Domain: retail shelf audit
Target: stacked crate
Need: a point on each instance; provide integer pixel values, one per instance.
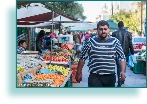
(138, 68)
(74, 71)
(144, 69)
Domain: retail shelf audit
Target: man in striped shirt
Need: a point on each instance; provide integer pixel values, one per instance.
(102, 51)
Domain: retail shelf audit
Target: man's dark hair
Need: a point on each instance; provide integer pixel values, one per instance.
(120, 24)
(102, 23)
(68, 32)
(41, 33)
(21, 42)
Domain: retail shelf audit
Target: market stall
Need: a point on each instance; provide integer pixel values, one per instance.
(50, 69)
(56, 71)
(139, 45)
(49, 76)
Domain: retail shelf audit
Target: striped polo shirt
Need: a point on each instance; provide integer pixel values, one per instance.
(102, 54)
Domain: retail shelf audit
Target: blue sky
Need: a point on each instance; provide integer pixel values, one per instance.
(93, 8)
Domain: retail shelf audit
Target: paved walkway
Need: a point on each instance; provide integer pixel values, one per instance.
(132, 80)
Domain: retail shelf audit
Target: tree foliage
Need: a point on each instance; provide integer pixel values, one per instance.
(69, 8)
(72, 8)
(130, 19)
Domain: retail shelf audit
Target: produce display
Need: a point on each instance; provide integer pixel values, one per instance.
(31, 73)
(62, 69)
(138, 46)
(51, 76)
(75, 61)
(20, 69)
(68, 46)
(56, 80)
(140, 51)
(141, 55)
(24, 62)
(58, 56)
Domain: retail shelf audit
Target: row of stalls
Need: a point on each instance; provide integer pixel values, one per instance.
(50, 69)
(55, 68)
(36, 17)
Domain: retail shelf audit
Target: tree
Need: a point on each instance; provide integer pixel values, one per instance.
(130, 19)
(72, 9)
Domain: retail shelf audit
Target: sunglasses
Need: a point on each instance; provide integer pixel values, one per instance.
(101, 29)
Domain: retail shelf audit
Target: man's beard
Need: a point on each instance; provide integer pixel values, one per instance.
(103, 36)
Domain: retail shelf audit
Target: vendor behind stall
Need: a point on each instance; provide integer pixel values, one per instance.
(39, 41)
(21, 46)
(48, 42)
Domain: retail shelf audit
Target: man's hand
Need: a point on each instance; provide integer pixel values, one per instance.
(123, 69)
(79, 68)
(122, 75)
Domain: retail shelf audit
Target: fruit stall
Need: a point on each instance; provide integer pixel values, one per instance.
(50, 69)
(48, 76)
(51, 75)
(140, 54)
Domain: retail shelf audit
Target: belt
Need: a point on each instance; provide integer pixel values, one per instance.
(102, 73)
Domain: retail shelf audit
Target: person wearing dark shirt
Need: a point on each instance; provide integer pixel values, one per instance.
(48, 43)
(125, 39)
(39, 41)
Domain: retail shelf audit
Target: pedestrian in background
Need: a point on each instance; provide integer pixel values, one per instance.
(81, 37)
(102, 50)
(76, 38)
(125, 39)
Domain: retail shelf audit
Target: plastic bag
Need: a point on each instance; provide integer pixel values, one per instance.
(79, 48)
(132, 61)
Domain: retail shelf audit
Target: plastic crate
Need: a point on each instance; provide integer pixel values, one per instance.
(144, 69)
(74, 70)
(138, 68)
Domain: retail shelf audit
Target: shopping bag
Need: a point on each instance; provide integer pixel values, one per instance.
(132, 60)
(80, 48)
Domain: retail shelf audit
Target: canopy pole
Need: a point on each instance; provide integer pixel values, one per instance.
(59, 30)
(28, 31)
(141, 17)
(51, 37)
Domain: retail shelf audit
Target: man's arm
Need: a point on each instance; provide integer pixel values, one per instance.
(123, 69)
(83, 57)
(79, 68)
(121, 59)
